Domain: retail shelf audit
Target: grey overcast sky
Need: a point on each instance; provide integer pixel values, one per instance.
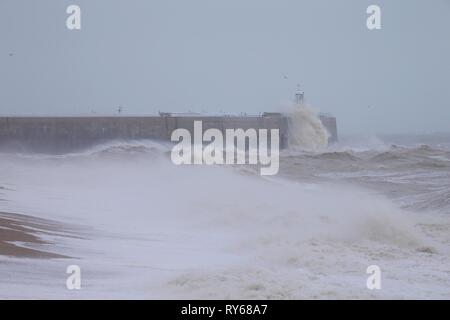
(231, 55)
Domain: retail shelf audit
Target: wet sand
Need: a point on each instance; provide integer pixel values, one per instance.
(26, 230)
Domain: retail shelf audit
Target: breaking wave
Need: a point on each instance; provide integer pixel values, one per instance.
(417, 176)
(306, 130)
(210, 232)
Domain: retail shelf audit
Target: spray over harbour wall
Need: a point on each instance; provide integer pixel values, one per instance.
(68, 133)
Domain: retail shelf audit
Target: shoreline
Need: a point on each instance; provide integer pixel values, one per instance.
(26, 229)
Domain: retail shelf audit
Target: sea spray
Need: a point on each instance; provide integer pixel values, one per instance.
(306, 131)
(156, 230)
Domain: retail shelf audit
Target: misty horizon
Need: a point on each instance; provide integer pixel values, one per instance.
(230, 57)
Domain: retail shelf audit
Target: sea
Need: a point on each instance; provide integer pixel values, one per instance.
(140, 227)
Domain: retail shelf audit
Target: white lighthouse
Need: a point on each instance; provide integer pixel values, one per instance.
(299, 96)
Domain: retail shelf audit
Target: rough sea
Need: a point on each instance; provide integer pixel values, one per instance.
(140, 227)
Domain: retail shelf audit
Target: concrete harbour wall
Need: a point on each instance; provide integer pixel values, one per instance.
(64, 134)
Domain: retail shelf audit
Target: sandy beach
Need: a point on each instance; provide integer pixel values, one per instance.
(20, 236)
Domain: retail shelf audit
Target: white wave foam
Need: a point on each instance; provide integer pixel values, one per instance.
(190, 231)
(306, 131)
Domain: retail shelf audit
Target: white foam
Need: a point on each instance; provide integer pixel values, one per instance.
(306, 131)
(159, 230)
